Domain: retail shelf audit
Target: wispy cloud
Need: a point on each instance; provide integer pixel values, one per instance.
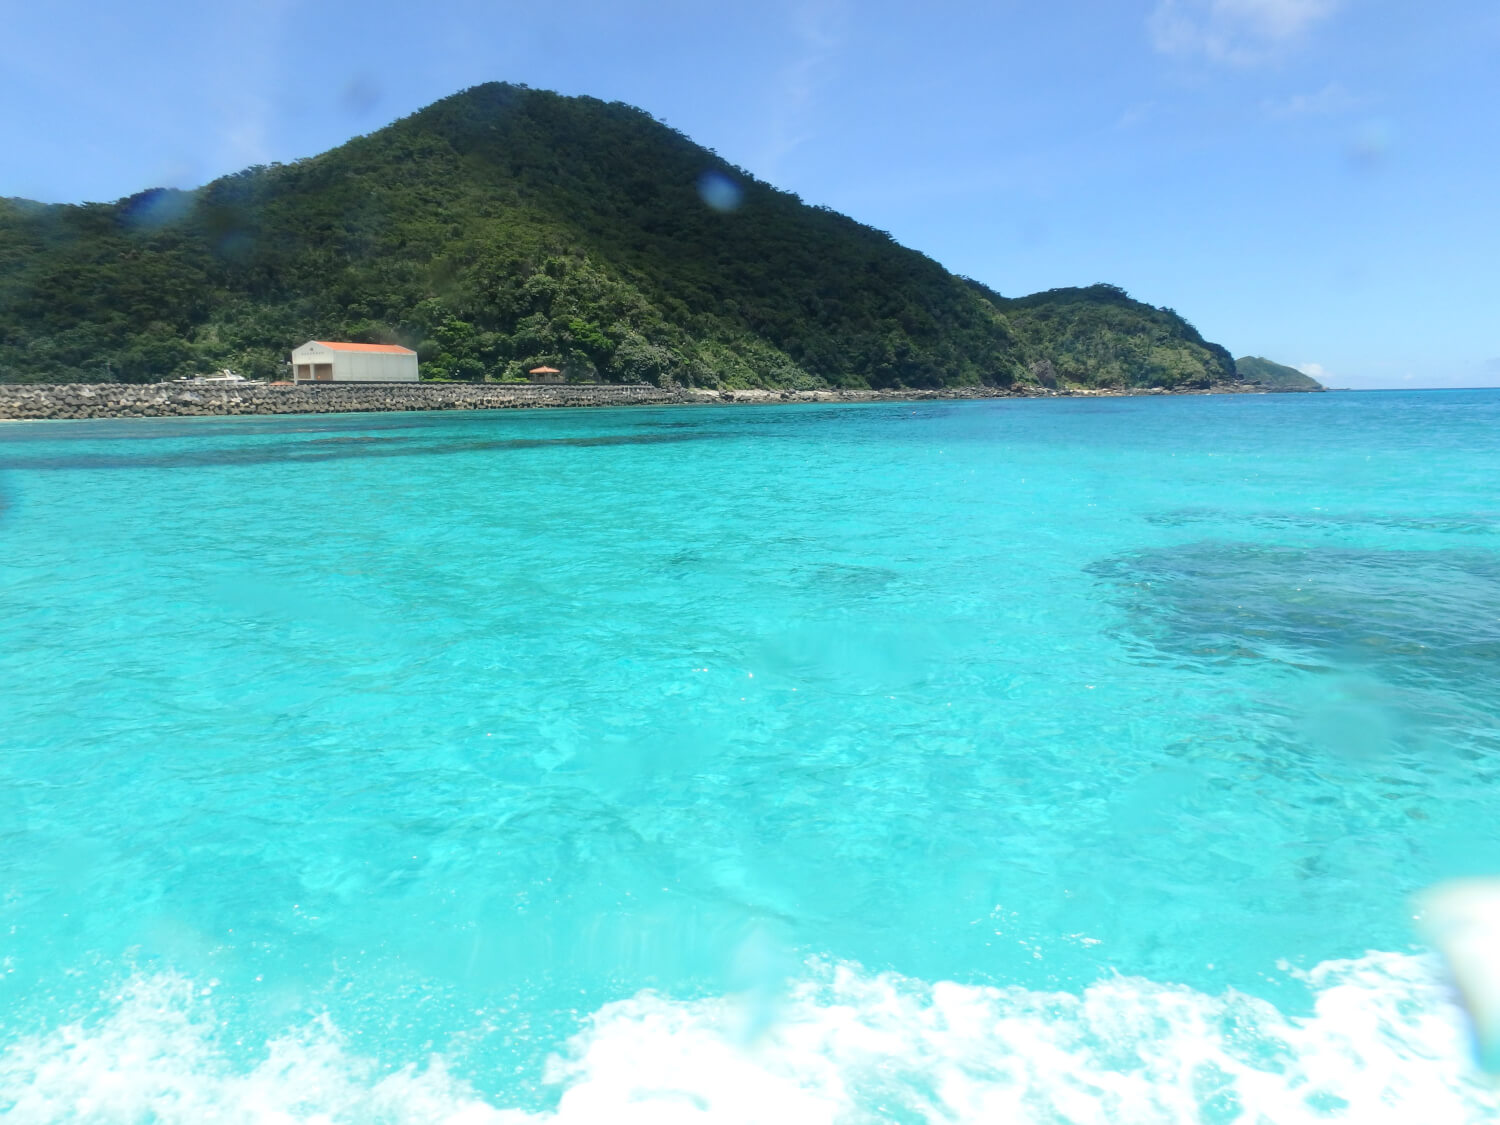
(1137, 114)
(247, 44)
(1371, 146)
(1331, 100)
(818, 30)
(1316, 370)
(1241, 32)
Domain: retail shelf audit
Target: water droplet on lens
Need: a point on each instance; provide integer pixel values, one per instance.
(720, 191)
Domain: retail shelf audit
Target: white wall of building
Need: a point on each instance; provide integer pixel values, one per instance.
(354, 366)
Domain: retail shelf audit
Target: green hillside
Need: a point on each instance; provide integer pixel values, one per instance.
(505, 227)
(1276, 376)
(1100, 337)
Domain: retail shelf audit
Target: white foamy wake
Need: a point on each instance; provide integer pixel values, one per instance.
(1383, 1044)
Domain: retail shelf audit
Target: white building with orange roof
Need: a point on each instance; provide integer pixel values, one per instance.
(329, 361)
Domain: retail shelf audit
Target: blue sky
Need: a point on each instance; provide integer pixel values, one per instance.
(1316, 181)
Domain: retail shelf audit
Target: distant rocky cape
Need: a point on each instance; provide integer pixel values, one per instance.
(505, 228)
(1274, 376)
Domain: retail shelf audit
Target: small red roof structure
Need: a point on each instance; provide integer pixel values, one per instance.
(388, 349)
(545, 371)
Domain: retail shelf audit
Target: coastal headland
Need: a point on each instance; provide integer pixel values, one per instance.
(39, 401)
(504, 229)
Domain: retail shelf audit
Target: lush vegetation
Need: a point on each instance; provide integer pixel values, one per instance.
(1100, 337)
(1276, 376)
(504, 228)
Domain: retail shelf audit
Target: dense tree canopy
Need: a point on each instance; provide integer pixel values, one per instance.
(503, 228)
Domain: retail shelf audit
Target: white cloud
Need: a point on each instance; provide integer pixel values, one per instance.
(1234, 31)
(1316, 370)
(1330, 100)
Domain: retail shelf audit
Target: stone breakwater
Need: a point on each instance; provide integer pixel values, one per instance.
(174, 400)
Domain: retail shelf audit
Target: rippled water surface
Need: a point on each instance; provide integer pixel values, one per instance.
(1040, 761)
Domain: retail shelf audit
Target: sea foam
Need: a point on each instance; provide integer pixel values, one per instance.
(1383, 1042)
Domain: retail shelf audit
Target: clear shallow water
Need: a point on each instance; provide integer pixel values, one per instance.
(1041, 761)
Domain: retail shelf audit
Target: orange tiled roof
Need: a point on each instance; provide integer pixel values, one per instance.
(545, 371)
(387, 349)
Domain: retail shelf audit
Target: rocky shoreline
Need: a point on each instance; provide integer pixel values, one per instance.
(37, 401)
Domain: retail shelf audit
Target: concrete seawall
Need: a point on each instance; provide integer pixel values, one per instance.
(36, 401)
(168, 400)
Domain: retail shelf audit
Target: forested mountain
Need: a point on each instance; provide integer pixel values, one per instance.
(505, 227)
(1275, 376)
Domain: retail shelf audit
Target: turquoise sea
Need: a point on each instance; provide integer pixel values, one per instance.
(1013, 761)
